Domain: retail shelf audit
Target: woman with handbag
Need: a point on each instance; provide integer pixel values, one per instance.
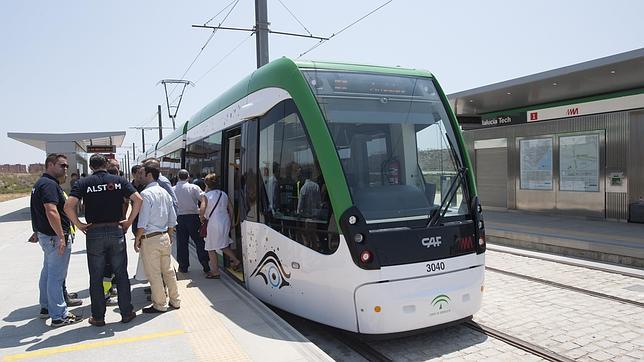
(216, 213)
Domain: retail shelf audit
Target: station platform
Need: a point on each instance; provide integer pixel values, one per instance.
(218, 319)
(607, 241)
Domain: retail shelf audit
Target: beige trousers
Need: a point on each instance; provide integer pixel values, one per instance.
(155, 252)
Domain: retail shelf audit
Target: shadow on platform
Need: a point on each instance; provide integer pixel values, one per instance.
(23, 214)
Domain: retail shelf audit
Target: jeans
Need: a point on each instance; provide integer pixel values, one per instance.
(188, 226)
(107, 242)
(52, 276)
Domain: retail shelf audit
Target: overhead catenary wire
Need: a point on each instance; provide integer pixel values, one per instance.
(220, 11)
(345, 28)
(225, 56)
(295, 17)
(205, 44)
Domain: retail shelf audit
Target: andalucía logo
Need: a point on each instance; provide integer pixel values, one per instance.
(441, 301)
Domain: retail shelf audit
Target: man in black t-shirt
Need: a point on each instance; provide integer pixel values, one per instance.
(103, 194)
(52, 226)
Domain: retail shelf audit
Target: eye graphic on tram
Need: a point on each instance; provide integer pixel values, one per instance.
(270, 269)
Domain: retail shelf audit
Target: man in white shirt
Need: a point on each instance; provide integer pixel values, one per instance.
(157, 219)
(188, 222)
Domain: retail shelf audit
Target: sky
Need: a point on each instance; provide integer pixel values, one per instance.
(91, 66)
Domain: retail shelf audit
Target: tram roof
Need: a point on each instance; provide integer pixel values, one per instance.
(173, 136)
(615, 73)
(276, 73)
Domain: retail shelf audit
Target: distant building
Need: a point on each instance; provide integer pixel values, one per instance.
(17, 168)
(37, 168)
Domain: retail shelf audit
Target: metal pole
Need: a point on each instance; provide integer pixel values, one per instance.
(133, 152)
(143, 139)
(261, 28)
(160, 125)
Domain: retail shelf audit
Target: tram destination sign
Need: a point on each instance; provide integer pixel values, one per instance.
(503, 120)
(101, 149)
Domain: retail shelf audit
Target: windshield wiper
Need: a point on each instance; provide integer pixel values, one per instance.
(449, 197)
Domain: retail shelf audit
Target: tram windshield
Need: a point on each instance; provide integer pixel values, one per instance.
(395, 142)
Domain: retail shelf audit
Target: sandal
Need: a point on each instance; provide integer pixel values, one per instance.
(212, 276)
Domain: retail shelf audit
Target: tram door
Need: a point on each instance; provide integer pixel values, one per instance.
(232, 186)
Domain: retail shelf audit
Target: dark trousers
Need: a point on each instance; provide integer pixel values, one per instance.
(188, 227)
(107, 242)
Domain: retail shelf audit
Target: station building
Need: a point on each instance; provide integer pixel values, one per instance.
(566, 141)
(75, 146)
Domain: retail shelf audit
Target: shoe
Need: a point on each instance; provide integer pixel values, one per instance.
(212, 276)
(72, 302)
(70, 319)
(151, 309)
(113, 291)
(96, 322)
(44, 313)
(128, 317)
(72, 295)
(110, 302)
(174, 307)
(147, 290)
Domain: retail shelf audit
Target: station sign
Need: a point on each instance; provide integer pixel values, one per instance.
(503, 120)
(586, 108)
(101, 149)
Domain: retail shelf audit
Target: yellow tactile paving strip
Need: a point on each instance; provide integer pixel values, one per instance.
(210, 339)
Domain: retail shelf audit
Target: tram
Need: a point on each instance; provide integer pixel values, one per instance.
(353, 195)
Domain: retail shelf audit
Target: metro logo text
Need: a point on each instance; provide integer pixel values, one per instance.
(434, 241)
(103, 187)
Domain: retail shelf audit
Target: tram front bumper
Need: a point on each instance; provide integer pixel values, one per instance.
(406, 305)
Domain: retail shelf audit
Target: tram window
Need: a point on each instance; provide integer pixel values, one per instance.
(212, 154)
(194, 158)
(170, 165)
(294, 198)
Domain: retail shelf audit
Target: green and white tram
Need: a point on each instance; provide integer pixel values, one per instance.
(354, 200)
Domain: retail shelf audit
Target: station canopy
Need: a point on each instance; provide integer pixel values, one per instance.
(615, 73)
(40, 140)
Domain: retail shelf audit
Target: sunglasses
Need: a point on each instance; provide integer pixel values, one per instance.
(64, 165)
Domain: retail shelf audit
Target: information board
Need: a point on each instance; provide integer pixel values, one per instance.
(579, 163)
(536, 164)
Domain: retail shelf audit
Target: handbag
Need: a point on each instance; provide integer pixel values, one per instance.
(203, 228)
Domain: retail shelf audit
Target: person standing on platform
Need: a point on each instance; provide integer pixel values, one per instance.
(163, 181)
(103, 195)
(218, 211)
(188, 196)
(51, 225)
(153, 239)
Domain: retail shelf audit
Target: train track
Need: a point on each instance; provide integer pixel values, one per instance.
(366, 351)
(568, 287)
(518, 343)
(325, 334)
(566, 262)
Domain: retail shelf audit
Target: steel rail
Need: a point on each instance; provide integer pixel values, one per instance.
(568, 287)
(566, 262)
(518, 343)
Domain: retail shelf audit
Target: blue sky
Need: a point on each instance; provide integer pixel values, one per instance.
(84, 66)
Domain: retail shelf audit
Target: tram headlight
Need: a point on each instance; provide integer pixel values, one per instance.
(353, 220)
(366, 256)
(358, 238)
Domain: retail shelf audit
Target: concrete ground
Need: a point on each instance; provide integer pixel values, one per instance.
(218, 320)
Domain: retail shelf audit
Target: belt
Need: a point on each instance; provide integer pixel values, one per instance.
(98, 224)
(156, 233)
